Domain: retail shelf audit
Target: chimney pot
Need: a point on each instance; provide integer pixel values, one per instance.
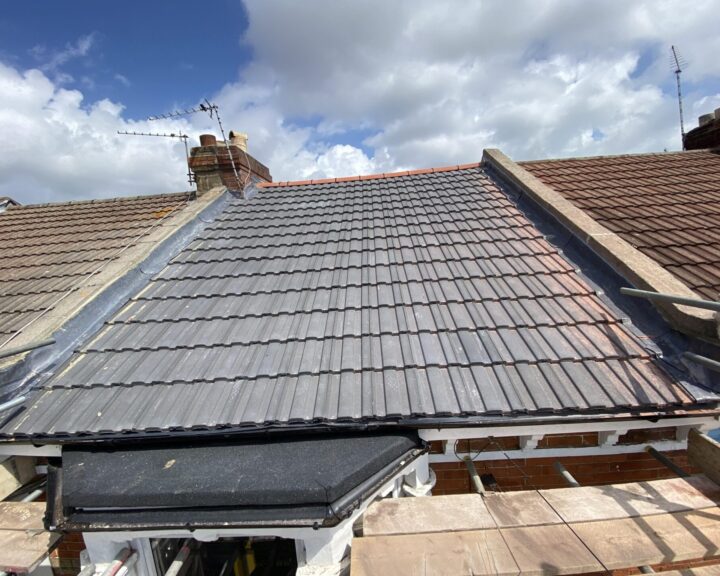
(239, 139)
(706, 119)
(208, 140)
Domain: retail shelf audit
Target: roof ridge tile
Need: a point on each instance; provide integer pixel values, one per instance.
(378, 176)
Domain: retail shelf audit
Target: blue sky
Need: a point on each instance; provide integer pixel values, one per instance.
(150, 56)
(339, 87)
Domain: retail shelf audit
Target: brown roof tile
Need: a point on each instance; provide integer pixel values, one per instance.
(666, 205)
(48, 249)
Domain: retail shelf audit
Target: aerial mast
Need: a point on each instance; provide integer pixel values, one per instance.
(179, 136)
(213, 110)
(678, 63)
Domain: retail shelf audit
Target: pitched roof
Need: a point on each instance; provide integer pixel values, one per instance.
(66, 266)
(666, 205)
(428, 294)
(48, 249)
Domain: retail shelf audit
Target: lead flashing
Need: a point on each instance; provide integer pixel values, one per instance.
(83, 311)
(640, 270)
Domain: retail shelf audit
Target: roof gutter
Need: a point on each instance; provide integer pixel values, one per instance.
(640, 270)
(706, 410)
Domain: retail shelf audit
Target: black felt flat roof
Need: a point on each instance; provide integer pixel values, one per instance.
(219, 481)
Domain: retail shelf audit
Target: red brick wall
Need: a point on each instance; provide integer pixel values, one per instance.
(65, 559)
(681, 565)
(530, 473)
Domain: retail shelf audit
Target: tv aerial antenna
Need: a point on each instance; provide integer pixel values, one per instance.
(678, 63)
(179, 136)
(213, 110)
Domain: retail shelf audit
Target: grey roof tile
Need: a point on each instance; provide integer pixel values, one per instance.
(424, 295)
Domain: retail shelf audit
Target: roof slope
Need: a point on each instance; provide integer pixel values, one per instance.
(666, 205)
(49, 249)
(420, 295)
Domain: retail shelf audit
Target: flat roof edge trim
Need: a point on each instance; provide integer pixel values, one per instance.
(640, 270)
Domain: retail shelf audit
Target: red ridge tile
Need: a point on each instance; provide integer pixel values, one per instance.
(370, 176)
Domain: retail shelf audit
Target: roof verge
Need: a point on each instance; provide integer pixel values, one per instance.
(82, 312)
(640, 270)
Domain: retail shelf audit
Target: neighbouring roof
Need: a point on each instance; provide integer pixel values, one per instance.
(6, 202)
(666, 205)
(48, 249)
(422, 295)
(65, 266)
(705, 136)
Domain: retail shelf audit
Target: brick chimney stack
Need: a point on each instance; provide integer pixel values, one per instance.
(210, 162)
(707, 134)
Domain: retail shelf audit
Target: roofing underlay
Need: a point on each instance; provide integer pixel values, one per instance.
(666, 205)
(370, 300)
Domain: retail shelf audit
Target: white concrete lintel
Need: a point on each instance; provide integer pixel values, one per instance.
(682, 432)
(608, 437)
(323, 548)
(612, 425)
(420, 475)
(530, 442)
(25, 449)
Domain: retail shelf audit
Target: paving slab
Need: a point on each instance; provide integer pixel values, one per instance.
(704, 452)
(21, 551)
(633, 499)
(22, 515)
(549, 550)
(527, 508)
(653, 539)
(476, 553)
(431, 514)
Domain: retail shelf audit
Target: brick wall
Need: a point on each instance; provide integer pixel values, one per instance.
(65, 559)
(681, 565)
(530, 473)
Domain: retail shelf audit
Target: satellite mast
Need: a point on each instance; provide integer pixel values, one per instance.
(180, 136)
(678, 63)
(214, 111)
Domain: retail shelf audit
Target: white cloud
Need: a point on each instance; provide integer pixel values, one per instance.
(438, 82)
(51, 61)
(122, 79)
(55, 148)
(427, 83)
